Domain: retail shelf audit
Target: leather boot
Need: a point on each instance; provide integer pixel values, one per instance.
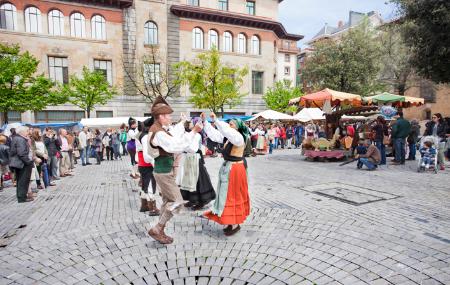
(144, 205)
(154, 211)
(166, 236)
(157, 233)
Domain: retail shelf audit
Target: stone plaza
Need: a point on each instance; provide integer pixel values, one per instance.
(310, 223)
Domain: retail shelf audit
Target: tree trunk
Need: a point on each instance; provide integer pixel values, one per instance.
(5, 117)
(88, 113)
(221, 111)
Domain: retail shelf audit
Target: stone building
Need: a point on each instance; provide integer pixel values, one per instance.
(116, 36)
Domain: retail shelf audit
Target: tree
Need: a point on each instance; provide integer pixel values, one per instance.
(349, 64)
(396, 70)
(213, 84)
(153, 77)
(426, 26)
(90, 90)
(277, 97)
(20, 89)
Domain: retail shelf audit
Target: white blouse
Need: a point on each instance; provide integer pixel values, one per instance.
(223, 131)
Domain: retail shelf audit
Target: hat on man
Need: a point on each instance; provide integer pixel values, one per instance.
(161, 107)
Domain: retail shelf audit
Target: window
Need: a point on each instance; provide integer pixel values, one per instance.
(227, 42)
(197, 38)
(33, 20)
(213, 39)
(257, 82)
(152, 73)
(98, 27)
(59, 116)
(58, 70)
(287, 58)
(223, 5)
(242, 40)
(104, 114)
(250, 7)
(14, 116)
(256, 49)
(8, 17)
(150, 33)
(105, 67)
(55, 23)
(77, 25)
(287, 70)
(193, 2)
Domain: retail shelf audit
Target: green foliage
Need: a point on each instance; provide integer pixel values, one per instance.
(277, 97)
(213, 84)
(349, 64)
(426, 26)
(88, 91)
(20, 89)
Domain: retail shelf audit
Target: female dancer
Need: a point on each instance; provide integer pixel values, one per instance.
(131, 145)
(232, 205)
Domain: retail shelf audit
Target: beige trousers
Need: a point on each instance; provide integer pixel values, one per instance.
(64, 163)
(170, 195)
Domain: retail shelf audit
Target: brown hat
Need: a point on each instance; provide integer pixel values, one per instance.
(161, 107)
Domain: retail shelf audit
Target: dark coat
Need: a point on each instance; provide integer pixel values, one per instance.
(52, 144)
(19, 152)
(401, 128)
(4, 154)
(380, 130)
(441, 129)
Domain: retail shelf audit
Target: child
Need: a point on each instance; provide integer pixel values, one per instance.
(360, 149)
(428, 152)
(4, 159)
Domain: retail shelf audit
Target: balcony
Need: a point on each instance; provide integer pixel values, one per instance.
(288, 48)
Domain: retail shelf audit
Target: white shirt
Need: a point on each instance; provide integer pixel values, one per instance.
(223, 131)
(83, 139)
(144, 147)
(179, 142)
(132, 134)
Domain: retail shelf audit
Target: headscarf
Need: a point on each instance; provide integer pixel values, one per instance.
(241, 127)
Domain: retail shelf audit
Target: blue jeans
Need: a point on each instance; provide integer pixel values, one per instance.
(275, 143)
(298, 140)
(399, 146)
(412, 151)
(83, 153)
(116, 150)
(270, 148)
(365, 161)
(382, 148)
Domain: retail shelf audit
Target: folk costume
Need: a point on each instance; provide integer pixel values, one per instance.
(232, 205)
(131, 145)
(145, 166)
(193, 178)
(168, 144)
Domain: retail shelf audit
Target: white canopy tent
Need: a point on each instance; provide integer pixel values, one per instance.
(103, 123)
(272, 115)
(309, 114)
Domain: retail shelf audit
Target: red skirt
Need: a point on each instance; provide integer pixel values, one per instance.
(237, 205)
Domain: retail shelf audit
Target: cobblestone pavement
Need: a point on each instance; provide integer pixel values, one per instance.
(311, 222)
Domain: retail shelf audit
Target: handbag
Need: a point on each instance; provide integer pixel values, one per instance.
(386, 140)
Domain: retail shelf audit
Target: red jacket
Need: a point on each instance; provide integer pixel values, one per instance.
(283, 133)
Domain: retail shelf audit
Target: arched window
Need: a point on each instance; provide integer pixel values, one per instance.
(98, 27)
(242, 43)
(8, 17)
(150, 33)
(256, 45)
(213, 39)
(227, 42)
(77, 25)
(33, 20)
(55, 23)
(197, 38)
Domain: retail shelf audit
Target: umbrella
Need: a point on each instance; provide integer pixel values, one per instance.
(309, 114)
(385, 98)
(272, 115)
(318, 99)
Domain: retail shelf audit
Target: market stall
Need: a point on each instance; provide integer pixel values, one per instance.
(104, 123)
(272, 115)
(309, 114)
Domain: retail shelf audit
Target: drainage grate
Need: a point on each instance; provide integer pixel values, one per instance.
(350, 194)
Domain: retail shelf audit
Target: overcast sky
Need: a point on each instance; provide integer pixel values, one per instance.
(307, 17)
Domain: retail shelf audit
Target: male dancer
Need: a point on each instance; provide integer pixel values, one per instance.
(168, 144)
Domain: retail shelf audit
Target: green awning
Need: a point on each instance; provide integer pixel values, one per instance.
(385, 98)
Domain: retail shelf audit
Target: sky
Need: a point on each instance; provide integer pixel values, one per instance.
(307, 17)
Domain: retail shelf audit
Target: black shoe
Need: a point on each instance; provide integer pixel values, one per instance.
(233, 231)
(88, 163)
(84, 164)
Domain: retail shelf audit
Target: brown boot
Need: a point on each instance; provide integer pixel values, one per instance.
(144, 206)
(154, 211)
(166, 236)
(157, 233)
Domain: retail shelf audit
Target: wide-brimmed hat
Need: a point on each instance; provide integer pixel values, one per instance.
(161, 107)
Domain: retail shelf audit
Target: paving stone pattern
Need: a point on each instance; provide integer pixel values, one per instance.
(88, 230)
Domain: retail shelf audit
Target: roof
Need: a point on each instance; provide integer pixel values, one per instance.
(110, 3)
(213, 15)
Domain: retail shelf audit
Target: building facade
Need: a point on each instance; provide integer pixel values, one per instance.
(117, 36)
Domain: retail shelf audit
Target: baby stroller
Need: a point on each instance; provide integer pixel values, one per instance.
(434, 160)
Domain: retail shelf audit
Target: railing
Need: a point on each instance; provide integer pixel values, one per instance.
(288, 48)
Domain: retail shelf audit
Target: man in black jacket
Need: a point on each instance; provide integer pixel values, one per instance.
(22, 163)
(53, 147)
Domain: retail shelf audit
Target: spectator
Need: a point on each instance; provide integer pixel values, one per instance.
(53, 146)
(412, 139)
(254, 135)
(271, 137)
(283, 136)
(371, 158)
(22, 163)
(76, 147)
(64, 162)
(437, 128)
(115, 143)
(298, 134)
(289, 136)
(277, 137)
(83, 141)
(427, 151)
(98, 145)
(4, 159)
(107, 142)
(39, 152)
(381, 133)
(123, 139)
(400, 131)
(71, 141)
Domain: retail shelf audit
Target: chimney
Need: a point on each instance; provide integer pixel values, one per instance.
(340, 24)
